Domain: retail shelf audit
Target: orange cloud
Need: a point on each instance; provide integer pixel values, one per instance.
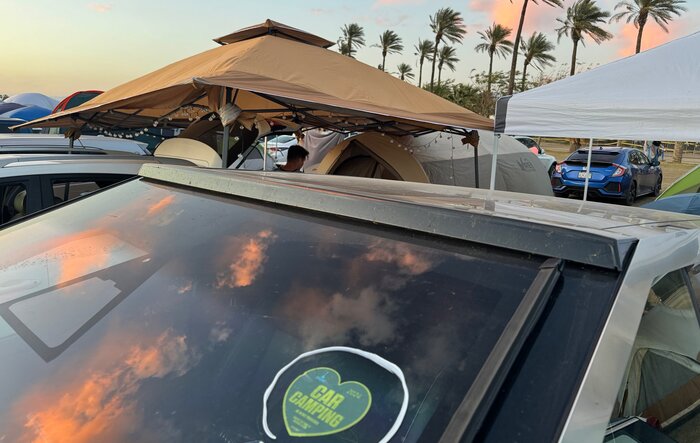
(103, 407)
(245, 258)
(83, 253)
(408, 260)
(505, 13)
(160, 205)
(652, 37)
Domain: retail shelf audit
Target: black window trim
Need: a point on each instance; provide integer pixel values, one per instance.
(469, 416)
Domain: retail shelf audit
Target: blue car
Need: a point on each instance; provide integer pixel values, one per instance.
(616, 173)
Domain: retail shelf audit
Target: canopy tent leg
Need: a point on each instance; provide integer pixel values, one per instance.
(226, 96)
(588, 170)
(265, 155)
(494, 160)
(476, 165)
(71, 142)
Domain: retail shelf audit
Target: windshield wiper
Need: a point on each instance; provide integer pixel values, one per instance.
(470, 414)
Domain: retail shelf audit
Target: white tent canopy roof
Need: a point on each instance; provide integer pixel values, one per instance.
(654, 95)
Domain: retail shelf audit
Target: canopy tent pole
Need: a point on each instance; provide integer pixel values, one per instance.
(265, 155)
(588, 169)
(71, 142)
(494, 160)
(226, 96)
(476, 165)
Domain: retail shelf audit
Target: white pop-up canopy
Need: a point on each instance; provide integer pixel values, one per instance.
(654, 95)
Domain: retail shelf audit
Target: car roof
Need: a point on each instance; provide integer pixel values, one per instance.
(13, 141)
(36, 164)
(591, 233)
(605, 149)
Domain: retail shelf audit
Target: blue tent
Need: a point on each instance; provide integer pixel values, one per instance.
(683, 203)
(27, 113)
(7, 107)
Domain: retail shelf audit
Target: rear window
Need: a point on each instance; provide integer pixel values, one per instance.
(605, 157)
(146, 313)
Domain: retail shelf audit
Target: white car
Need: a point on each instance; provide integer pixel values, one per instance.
(56, 144)
(277, 146)
(549, 161)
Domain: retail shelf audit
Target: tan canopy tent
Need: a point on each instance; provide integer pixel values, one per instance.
(270, 72)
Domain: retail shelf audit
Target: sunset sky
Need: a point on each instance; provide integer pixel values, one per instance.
(58, 47)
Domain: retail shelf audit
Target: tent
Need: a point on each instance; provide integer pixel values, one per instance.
(654, 95)
(438, 158)
(27, 113)
(687, 184)
(7, 107)
(33, 99)
(263, 75)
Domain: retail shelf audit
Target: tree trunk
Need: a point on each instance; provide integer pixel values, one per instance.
(678, 152)
(439, 74)
(488, 81)
(642, 22)
(522, 83)
(383, 60)
(435, 51)
(402, 76)
(573, 57)
(516, 47)
(574, 144)
(420, 73)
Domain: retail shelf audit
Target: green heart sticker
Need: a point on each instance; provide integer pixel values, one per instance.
(317, 403)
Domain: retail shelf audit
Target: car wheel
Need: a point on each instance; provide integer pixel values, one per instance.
(551, 169)
(657, 188)
(631, 194)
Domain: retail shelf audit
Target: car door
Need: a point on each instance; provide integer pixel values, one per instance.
(637, 171)
(19, 197)
(647, 171)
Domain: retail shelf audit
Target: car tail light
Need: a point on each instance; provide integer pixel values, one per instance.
(620, 171)
(557, 168)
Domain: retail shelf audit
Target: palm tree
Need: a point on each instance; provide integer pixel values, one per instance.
(353, 37)
(405, 71)
(536, 52)
(391, 43)
(447, 57)
(516, 43)
(424, 51)
(447, 24)
(495, 43)
(639, 11)
(583, 18)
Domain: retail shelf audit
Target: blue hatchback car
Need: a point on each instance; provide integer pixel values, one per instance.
(618, 173)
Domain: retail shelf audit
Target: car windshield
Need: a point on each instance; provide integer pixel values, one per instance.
(149, 313)
(604, 157)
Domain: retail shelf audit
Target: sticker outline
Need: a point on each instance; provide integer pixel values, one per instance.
(340, 382)
(383, 363)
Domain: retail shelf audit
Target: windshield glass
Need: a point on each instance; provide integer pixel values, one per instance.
(149, 313)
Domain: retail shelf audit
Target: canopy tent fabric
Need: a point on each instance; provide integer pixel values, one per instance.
(270, 27)
(33, 99)
(654, 95)
(271, 77)
(318, 142)
(439, 158)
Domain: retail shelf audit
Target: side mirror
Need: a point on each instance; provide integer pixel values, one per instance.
(655, 162)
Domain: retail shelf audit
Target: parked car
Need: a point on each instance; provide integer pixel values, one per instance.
(58, 144)
(32, 182)
(549, 161)
(277, 146)
(208, 305)
(618, 173)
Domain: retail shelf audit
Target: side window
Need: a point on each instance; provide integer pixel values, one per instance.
(68, 189)
(633, 157)
(643, 158)
(662, 383)
(13, 197)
